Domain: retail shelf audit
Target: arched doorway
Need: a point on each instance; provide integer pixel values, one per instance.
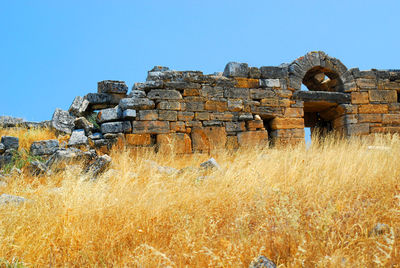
(318, 81)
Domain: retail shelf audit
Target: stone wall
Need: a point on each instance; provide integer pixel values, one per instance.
(243, 106)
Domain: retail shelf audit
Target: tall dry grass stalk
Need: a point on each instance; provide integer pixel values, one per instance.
(299, 206)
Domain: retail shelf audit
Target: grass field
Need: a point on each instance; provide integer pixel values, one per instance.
(298, 206)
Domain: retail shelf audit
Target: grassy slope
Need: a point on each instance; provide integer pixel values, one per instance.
(311, 207)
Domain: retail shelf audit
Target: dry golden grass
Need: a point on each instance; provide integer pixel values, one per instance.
(310, 207)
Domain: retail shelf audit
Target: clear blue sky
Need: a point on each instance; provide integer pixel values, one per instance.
(52, 51)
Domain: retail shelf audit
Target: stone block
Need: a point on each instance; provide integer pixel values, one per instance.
(235, 105)
(270, 102)
(273, 72)
(109, 115)
(385, 96)
(212, 92)
(185, 116)
(359, 98)
(253, 139)
(237, 93)
(370, 118)
(373, 109)
(213, 123)
(170, 105)
(236, 69)
(78, 106)
(357, 129)
(111, 86)
(286, 123)
(232, 143)
(102, 100)
(194, 106)
(45, 147)
(245, 117)
(296, 133)
(150, 127)
(166, 115)
(366, 83)
(136, 104)
(148, 115)
(270, 83)
(254, 72)
(129, 114)
(235, 126)
(219, 106)
(164, 94)
(178, 143)
(346, 109)
(116, 127)
(262, 93)
(385, 130)
(138, 139)
(202, 116)
(182, 85)
(391, 119)
(386, 85)
(246, 82)
(148, 85)
(191, 92)
(221, 116)
(62, 121)
(78, 138)
(10, 142)
(178, 126)
(254, 124)
(137, 94)
(206, 139)
(344, 120)
(394, 107)
(293, 112)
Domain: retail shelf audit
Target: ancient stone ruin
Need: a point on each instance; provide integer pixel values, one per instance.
(243, 106)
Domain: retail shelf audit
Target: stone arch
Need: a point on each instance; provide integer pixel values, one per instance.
(319, 72)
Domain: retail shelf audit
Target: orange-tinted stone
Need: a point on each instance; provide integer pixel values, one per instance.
(359, 98)
(206, 139)
(253, 139)
(218, 106)
(138, 139)
(179, 143)
(247, 82)
(286, 123)
(373, 109)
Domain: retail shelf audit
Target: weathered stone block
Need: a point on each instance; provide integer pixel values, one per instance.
(237, 93)
(102, 100)
(202, 116)
(78, 106)
(170, 105)
(164, 94)
(232, 143)
(391, 119)
(262, 93)
(254, 124)
(296, 133)
(62, 121)
(116, 127)
(286, 123)
(129, 114)
(178, 126)
(253, 139)
(10, 142)
(373, 109)
(212, 92)
(166, 115)
(357, 129)
(148, 115)
(208, 138)
(191, 92)
(194, 106)
(137, 94)
(109, 115)
(236, 69)
(369, 118)
(270, 102)
(148, 85)
(294, 112)
(235, 126)
(136, 104)
(366, 83)
(194, 123)
(235, 105)
(111, 86)
(385, 96)
(185, 116)
(254, 72)
(345, 119)
(245, 117)
(386, 130)
(178, 143)
(138, 139)
(78, 138)
(213, 123)
(270, 83)
(271, 72)
(182, 85)
(46, 147)
(246, 82)
(150, 127)
(221, 116)
(219, 106)
(359, 98)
